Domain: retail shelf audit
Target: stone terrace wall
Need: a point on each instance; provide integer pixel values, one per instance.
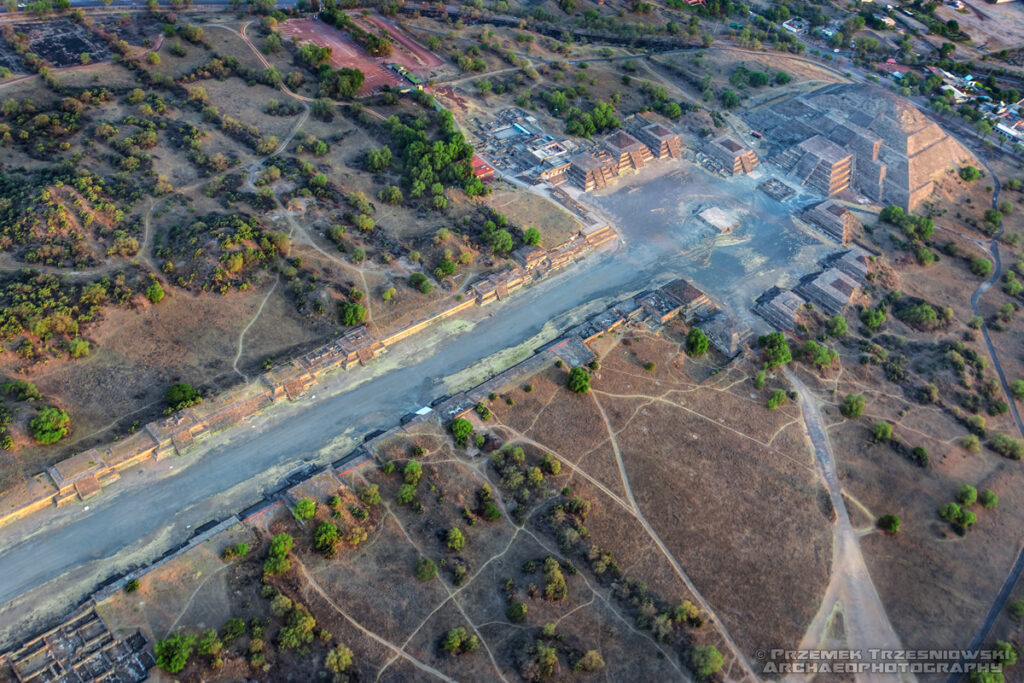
(84, 474)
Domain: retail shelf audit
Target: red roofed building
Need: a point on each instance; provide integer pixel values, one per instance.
(482, 169)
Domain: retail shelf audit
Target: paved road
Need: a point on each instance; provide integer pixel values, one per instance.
(87, 546)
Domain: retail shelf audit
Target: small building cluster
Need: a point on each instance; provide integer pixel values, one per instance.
(831, 289)
(624, 151)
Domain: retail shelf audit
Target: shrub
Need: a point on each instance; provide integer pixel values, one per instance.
(131, 586)
(777, 398)
(579, 380)
(421, 282)
(967, 495)
(516, 612)
(881, 431)
(370, 494)
(412, 473)
(590, 661)
(969, 173)
(705, 661)
(181, 395)
(971, 443)
(461, 428)
(919, 456)
(339, 658)
(981, 266)
(155, 293)
(456, 539)
(988, 498)
(483, 411)
(172, 653)
(305, 508)
(457, 641)
(50, 425)
(79, 348)
(889, 523)
(237, 550)
(951, 512)
(1017, 389)
(759, 380)
(852, 406)
(650, 366)
(1006, 446)
(210, 643)
(696, 342)
(872, 318)
(425, 569)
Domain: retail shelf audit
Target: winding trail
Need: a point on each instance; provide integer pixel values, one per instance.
(426, 668)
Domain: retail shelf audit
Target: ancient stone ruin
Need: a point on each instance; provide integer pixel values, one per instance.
(896, 151)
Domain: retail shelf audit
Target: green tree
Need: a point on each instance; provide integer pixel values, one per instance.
(155, 293)
(579, 380)
(696, 342)
(181, 395)
(50, 425)
(413, 471)
(531, 236)
(777, 398)
(391, 194)
(970, 173)
(852, 406)
(988, 499)
(516, 612)
(889, 523)
(406, 494)
(967, 495)
(351, 313)
(837, 326)
(776, 349)
(379, 160)
(1017, 389)
(338, 659)
(305, 508)
(456, 539)
(326, 538)
(881, 431)
(461, 428)
(872, 318)
(370, 494)
(705, 661)
(172, 653)
(981, 266)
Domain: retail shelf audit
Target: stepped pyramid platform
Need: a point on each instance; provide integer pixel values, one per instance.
(627, 152)
(897, 152)
(734, 157)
